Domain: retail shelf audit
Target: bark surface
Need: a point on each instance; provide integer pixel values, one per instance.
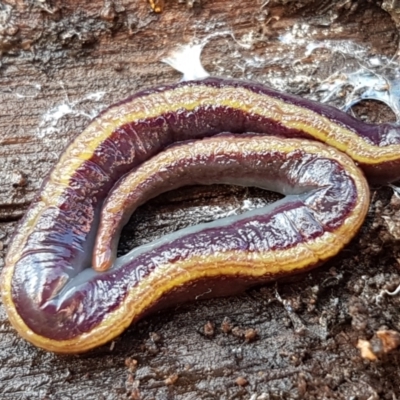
(61, 63)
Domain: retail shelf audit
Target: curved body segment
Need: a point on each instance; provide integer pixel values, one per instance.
(57, 301)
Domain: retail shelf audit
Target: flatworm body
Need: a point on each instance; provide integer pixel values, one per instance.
(57, 301)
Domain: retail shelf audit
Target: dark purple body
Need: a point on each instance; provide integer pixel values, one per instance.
(48, 289)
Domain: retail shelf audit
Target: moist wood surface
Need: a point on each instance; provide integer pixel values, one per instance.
(64, 61)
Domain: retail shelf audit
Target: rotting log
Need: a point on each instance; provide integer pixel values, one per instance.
(56, 58)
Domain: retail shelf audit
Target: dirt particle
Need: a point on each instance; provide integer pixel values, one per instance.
(191, 3)
(130, 380)
(118, 67)
(250, 334)
(209, 329)
(12, 30)
(392, 283)
(301, 385)
(359, 313)
(135, 394)
(390, 339)
(226, 325)
(157, 5)
(238, 332)
(366, 350)
(151, 344)
(131, 363)
(108, 11)
(18, 179)
(171, 380)
(240, 381)
(155, 337)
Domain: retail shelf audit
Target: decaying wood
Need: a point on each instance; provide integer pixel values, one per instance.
(62, 61)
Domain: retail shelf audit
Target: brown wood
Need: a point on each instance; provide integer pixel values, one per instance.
(285, 341)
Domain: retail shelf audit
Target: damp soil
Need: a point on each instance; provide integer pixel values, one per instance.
(293, 339)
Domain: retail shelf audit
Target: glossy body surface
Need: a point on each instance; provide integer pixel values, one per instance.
(57, 301)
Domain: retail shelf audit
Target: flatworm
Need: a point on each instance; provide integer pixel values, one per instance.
(58, 302)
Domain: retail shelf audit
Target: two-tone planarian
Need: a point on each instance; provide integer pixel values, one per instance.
(63, 287)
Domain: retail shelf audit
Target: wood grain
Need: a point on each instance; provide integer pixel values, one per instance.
(56, 57)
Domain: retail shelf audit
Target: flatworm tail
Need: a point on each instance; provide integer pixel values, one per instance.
(56, 301)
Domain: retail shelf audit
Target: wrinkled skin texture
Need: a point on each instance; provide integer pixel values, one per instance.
(123, 137)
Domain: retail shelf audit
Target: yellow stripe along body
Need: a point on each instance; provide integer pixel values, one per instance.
(149, 122)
